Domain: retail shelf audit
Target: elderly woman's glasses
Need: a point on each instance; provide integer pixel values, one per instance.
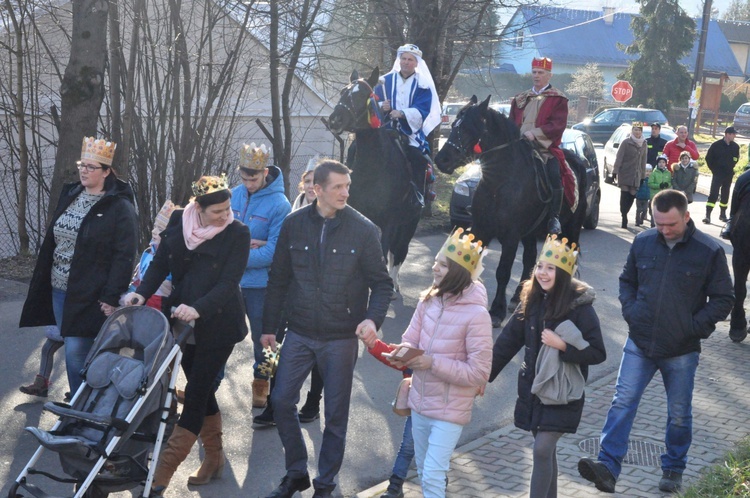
(88, 167)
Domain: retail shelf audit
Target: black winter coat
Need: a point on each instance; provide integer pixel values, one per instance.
(530, 414)
(206, 278)
(673, 298)
(101, 267)
(327, 295)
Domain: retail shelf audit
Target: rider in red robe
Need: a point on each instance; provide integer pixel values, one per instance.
(542, 115)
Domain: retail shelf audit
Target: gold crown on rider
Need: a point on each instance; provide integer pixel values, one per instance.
(254, 158)
(99, 150)
(464, 251)
(557, 252)
(210, 184)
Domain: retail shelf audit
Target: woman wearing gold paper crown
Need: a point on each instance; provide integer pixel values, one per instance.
(453, 328)
(559, 328)
(205, 249)
(86, 259)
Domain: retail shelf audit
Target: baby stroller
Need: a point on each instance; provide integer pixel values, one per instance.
(118, 417)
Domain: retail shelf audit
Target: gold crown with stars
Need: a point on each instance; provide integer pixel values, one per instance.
(270, 362)
(557, 252)
(464, 251)
(254, 158)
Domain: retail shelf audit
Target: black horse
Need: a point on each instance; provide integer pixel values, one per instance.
(382, 187)
(740, 267)
(511, 202)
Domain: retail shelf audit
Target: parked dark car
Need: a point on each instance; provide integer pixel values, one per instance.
(603, 124)
(623, 132)
(576, 141)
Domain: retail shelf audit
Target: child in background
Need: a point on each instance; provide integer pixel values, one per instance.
(685, 175)
(160, 224)
(643, 198)
(660, 179)
(41, 382)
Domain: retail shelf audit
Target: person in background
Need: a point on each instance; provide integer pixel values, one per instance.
(160, 224)
(310, 411)
(655, 143)
(40, 386)
(685, 176)
(261, 204)
(558, 328)
(681, 142)
(86, 258)
(643, 199)
(329, 275)
(452, 326)
(204, 249)
(720, 159)
(741, 189)
(665, 330)
(630, 168)
(660, 178)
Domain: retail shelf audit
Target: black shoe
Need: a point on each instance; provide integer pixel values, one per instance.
(311, 409)
(670, 481)
(290, 485)
(738, 335)
(395, 488)
(723, 217)
(624, 223)
(598, 473)
(265, 418)
(553, 226)
(726, 232)
(707, 220)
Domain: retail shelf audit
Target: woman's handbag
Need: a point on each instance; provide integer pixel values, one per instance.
(401, 401)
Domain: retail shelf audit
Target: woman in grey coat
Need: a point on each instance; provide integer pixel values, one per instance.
(630, 168)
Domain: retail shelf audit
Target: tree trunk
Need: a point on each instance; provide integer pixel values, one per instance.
(82, 90)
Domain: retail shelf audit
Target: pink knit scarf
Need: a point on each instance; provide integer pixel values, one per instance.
(194, 232)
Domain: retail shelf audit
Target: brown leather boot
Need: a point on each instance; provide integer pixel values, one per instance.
(260, 393)
(38, 388)
(213, 460)
(178, 448)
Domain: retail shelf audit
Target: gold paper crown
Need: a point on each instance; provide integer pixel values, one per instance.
(464, 251)
(96, 149)
(254, 158)
(162, 217)
(558, 253)
(210, 184)
(636, 124)
(270, 362)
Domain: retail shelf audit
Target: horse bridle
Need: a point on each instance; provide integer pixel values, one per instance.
(350, 107)
(465, 150)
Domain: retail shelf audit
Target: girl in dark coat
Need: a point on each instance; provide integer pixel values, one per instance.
(205, 249)
(86, 259)
(551, 302)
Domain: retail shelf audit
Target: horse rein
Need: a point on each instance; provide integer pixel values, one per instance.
(350, 107)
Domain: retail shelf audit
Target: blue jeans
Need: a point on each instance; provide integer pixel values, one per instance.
(636, 372)
(434, 442)
(335, 360)
(405, 452)
(76, 348)
(254, 299)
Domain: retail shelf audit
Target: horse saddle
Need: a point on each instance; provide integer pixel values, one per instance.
(569, 179)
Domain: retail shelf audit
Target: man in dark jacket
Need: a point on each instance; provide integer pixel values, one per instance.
(329, 275)
(674, 288)
(655, 144)
(720, 159)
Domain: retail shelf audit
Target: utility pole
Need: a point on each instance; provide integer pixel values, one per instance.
(698, 73)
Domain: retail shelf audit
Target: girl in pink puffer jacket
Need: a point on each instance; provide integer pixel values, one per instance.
(453, 328)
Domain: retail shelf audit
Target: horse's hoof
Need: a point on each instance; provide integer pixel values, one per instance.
(737, 335)
(496, 321)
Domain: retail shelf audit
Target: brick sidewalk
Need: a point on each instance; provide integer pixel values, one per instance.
(499, 464)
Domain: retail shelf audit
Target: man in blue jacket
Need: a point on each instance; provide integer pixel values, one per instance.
(674, 288)
(259, 203)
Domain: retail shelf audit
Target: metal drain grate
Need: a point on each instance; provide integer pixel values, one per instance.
(641, 453)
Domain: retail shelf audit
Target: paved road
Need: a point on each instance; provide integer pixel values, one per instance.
(255, 456)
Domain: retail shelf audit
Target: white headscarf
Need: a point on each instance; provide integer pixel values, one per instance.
(423, 81)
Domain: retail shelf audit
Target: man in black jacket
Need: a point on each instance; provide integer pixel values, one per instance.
(655, 144)
(674, 288)
(329, 275)
(720, 159)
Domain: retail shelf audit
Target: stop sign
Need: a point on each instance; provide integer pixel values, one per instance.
(622, 91)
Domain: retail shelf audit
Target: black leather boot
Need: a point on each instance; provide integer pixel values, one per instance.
(723, 215)
(707, 219)
(553, 225)
(395, 488)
